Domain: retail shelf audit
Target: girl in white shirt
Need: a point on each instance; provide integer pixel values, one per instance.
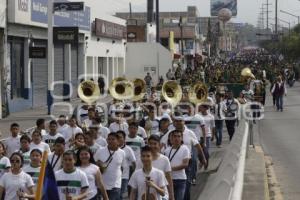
(35, 165)
(4, 161)
(37, 142)
(86, 163)
(16, 184)
(179, 156)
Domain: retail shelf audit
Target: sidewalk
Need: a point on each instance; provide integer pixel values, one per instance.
(216, 158)
(27, 118)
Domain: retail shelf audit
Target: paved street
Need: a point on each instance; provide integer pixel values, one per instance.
(280, 136)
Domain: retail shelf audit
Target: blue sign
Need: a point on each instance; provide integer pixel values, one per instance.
(39, 13)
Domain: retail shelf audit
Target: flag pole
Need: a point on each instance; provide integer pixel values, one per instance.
(39, 191)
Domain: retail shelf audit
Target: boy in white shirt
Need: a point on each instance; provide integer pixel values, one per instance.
(89, 121)
(134, 141)
(12, 143)
(119, 123)
(146, 177)
(111, 159)
(179, 156)
(89, 139)
(70, 132)
(61, 123)
(55, 158)
(41, 126)
(52, 135)
(130, 162)
(72, 183)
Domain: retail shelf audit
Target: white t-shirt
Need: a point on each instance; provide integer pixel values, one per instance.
(87, 123)
(155, 126)
(140, 132)
(4, 165)
(82, 115)
(50, 139)
(209, 121)
(55, 161)
(70, 133)
(189, 139)
(91, 172)
(94, 148)
(41, 146)
(129, 159)
(114, 127)
(176, 160)
(13, 183)
(26, 157)
(112, 177)
(60, 128)
(74, 182)
(103, 131)
(194, 123)
(135, 144)
(138, 179)
(162, 163)
(101, 141)
(12, 145)
(34, 172)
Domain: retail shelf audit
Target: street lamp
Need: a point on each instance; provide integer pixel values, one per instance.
(288, 13)
(289, 23)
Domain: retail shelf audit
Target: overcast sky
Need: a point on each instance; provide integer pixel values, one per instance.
(248, 10)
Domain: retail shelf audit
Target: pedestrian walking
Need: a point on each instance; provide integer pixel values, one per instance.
(279, 90)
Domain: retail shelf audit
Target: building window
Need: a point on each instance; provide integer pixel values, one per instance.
(17, 67)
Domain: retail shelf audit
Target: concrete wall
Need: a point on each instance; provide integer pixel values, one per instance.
(147, 57)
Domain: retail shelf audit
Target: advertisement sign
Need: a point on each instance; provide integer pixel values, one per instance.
(39, 13)
(109, 30)
(217, 5)
(37, 52)
(68, 6)
(65, 35)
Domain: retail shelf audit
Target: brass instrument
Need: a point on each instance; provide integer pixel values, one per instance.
(139, 89)
(247, 74)
(121, 89)
(172, 92)
(198, 93)
(88, 91)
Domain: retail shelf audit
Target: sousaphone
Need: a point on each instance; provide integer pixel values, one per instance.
(139, 89)
(198, 93)
(88, 91)
(121, 89)
(172, 92)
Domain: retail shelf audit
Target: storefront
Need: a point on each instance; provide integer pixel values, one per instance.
(91, 53)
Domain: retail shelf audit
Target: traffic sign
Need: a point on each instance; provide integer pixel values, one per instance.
(68, 6)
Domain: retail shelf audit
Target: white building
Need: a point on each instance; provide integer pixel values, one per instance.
(101, 51)
(152, 57)
(2, 47)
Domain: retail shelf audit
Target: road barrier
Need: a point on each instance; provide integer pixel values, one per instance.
(227, 183)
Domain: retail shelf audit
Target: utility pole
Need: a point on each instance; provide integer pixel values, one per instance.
(181, 36)
(130, 11)
(267, 12)
(276, 17)
(157, 22)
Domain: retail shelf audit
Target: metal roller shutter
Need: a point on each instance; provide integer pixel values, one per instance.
(39, 78)
(74, 69)
(58, 68)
